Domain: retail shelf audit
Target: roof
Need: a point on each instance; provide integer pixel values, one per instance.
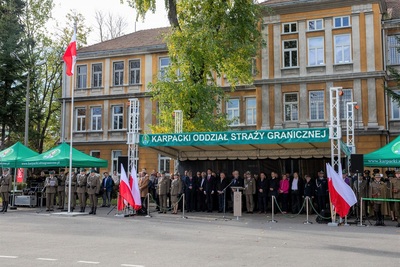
(393, 7)
(139, 39)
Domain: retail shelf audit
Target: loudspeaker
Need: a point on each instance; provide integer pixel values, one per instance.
(357, 163)
(124, 161)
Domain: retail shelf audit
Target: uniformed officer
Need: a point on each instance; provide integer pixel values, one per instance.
(395, 194)
(321, 190)
(378, 189)
(5, 188)
(73, 189)
(81, 181)
(61, 189)
(163, 189)
(360, 188)
(176, 188)
(51, 188)
(93, 189)
(249, 191)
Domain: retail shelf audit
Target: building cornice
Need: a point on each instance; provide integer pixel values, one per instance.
(122, 52)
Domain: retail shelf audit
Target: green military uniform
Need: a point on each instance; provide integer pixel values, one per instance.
(163, 190)
(73, 189)
(378, 189)
(93, 189)
(249, 191)
(61, 189)
(81, 181)
(360, 188)
(176, 189)
(395, 194)
(5, 188)
(51, 188)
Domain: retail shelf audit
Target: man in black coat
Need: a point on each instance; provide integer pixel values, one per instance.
(296, 192)
(190, 191)
(262, 193)
(273, 189)
(222, 183)
(321, 190)
(209, 189)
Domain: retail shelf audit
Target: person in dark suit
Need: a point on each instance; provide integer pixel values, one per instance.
(321, 190)
(262, 190)
(296, 192)
(209, 190)
(222, 183)
(201, 196)
(273, 189)
(237, 181)
(190, 191)
(107, 184)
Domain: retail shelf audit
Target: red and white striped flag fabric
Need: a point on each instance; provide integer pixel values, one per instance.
(125, 192)
(342, 196)
(69, 56)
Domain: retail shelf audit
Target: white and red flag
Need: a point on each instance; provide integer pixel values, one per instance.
(129, 191)
(342, 196)
(69, 56)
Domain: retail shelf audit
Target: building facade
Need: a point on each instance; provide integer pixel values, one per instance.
(311, 46)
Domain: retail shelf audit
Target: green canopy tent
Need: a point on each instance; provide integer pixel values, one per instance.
(12, 156)
(387, 156)
(59, 157)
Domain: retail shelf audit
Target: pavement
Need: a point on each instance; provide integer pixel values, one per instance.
(33, 237)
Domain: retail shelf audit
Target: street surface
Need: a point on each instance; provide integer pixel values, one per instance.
(32, 238)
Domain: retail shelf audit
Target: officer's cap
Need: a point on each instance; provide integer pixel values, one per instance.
(52, 172)
(247, 173)
(344, 172)
(62, 170)
(83, 170)
(92, 171)
(6, 169)
(321, 172)
(367, 172)
(376, 171)
(378, 175)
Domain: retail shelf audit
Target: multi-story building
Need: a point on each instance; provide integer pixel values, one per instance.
(311, 46)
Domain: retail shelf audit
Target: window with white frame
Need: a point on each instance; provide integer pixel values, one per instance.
(395, 107)
(117, 117)
(80, 121)
(316, 51)
(95, 153)
(134, 71)
(317, 105)
(289, 27)
(118, 71)
(342, 48)
(233, 111)
(97, 75)
(394, 50)
(81, 76)
(347, 96)
(114, 158)
(251, 111)
(291, 106)
(290, 53)
(164, 64)
(315, 25)
(164, 163)
(341, 22)
(96, 118)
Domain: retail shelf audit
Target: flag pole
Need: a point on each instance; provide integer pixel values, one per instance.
(71, 132)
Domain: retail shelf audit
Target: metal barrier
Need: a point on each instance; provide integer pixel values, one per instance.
(373, 199)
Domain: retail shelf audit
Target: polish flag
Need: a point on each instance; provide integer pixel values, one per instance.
(134, 183)
(342, 196)
(69, 56)
(129, 191)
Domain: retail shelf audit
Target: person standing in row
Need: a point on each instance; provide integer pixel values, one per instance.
(209, 190)
(201, 196)
(321, 190)
(73, 189)
(176, 188)
(107, 184)
(93, 189)
(190, 191)
(395, 193)
(378, 190)
(81, 181)
(262, 190)
(222, 183)
(163, 190)
(5, 188)
(296, 190)
(273, 190)
(61, 189)
(143, 184)
(249, 191)
(51, 187)
(284, 192)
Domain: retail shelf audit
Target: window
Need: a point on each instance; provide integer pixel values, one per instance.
(290, 27)
(316, 51)
(251, 111)
(114, 157)
(393, 50)
(342, 49)
(395, 108)
(81, 76)
(164, 64)
(346, 97)
(232, 111)
(317, 105)
(315, 25)
(134, 72)
(164, 163)
(291, 107)
(117, 117)
(254, 67)
(97, 75)
(95, 153)
(340, 22)
(80, 124)
(290, 53)
(96, 118)
(118, 73)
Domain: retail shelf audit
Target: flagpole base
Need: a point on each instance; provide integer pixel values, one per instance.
(121, 215)
(272, 221)
(333, 224)
(307, 222)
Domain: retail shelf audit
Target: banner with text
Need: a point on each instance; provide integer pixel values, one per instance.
(286, 136)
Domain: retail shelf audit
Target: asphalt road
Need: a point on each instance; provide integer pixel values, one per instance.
(28, 238)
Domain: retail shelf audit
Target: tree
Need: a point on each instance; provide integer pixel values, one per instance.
(109, 25)
(11, 91)
(208, 39)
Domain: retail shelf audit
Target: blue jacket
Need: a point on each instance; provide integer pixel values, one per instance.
(107, 183)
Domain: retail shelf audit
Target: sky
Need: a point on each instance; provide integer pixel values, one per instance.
(88, 8)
